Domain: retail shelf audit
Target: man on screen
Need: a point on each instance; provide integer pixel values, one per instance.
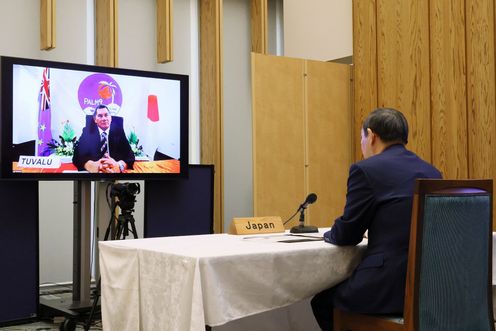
(104, 149)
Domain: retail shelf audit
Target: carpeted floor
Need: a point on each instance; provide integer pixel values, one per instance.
(53, 320)
(57, 323)
(47, 326)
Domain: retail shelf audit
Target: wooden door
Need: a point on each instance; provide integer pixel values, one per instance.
(278, 135)
(330, 139)
(302, 136)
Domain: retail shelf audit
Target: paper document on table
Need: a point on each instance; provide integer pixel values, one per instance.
(286, 238)
(296, 238)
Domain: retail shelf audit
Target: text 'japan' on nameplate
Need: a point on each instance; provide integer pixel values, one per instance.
(256, 225)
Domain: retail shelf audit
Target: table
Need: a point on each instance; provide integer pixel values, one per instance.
(187, 282)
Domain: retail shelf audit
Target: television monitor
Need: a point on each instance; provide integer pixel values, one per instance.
(65, 121)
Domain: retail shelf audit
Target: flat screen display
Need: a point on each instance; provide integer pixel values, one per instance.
(72, 121)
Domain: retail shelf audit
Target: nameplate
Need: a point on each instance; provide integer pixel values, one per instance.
(254, 225)
(38, 162)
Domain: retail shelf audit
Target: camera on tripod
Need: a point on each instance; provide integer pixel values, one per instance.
(119, 226)
(126, 193)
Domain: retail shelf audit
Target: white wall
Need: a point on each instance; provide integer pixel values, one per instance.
(275, 17)
(238, 169)
(318, 29)
(312, 29)
(137, 50)
(19, 36)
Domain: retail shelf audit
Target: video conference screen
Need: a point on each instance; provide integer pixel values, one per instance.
(72, 121)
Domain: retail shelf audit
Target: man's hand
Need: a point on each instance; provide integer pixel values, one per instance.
(109, 165)
(105, 165)
(92, 166)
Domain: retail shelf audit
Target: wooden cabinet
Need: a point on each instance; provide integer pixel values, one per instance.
(302, 136)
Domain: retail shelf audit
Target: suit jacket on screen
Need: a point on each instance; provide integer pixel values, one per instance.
(89, 144)
(379, 198)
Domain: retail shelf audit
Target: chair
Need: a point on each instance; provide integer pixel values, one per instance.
(448, 281)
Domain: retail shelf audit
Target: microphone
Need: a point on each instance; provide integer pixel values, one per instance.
(301, 228)
(311, 198)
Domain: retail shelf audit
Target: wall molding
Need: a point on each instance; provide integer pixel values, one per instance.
(106, 33)
(47, 24)
(211, 100)
(259, 26)
(164, 31)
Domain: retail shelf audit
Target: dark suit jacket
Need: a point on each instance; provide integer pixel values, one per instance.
(88, 146)
(379, 198)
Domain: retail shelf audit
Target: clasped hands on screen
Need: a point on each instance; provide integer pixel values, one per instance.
(105, 165)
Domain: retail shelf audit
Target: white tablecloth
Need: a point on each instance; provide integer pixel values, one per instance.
(185, 283)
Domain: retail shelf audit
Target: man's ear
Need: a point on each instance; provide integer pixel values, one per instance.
(371, 135)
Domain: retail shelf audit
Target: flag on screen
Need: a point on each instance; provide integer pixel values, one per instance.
(153, 114)
(44, 116)
(150, 138)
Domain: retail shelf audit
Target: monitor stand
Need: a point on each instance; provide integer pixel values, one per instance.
(81, 276)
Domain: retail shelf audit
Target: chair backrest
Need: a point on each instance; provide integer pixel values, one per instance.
(450, 257)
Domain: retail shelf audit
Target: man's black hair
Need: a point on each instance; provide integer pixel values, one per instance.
(389, 124)
(100, 106)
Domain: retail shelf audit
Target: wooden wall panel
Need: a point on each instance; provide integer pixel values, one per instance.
(259, 26)
(47, 24)
(365, 65)
(460, 37)
(481, 88)
(329, 120)
(278, 135)
(164, 31)
(106, 33)
(211, 117)
(403, 66)
(448, 88)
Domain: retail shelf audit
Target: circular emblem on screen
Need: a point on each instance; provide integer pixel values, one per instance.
(99, 89)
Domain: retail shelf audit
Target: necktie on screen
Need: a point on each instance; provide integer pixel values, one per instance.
(104, 141)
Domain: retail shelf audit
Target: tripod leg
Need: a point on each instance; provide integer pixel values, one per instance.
(133, 228)
(111, 225)
(95, 304)
(120, 229)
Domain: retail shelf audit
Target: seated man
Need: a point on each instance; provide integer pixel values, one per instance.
(379, 199)
(105, 150)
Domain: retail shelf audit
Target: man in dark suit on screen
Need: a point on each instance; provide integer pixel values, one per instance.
(379, 199)
(103, 147)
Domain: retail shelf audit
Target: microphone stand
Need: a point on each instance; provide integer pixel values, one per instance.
(301, 228)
